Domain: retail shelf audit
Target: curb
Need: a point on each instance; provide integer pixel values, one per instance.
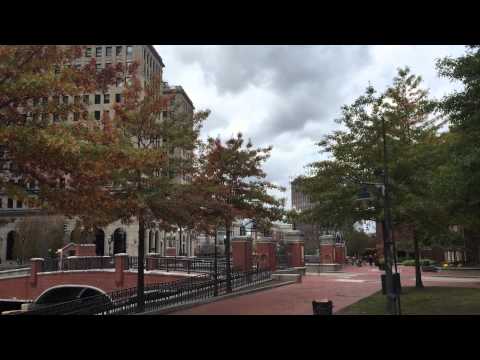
(214, 299)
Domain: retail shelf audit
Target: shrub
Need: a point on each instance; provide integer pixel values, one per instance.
(423, 262)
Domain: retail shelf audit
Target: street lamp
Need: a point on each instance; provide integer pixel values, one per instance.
(392, 290)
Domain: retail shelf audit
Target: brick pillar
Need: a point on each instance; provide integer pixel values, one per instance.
(171, 251)
(120, 263)
(295, 247)
(327, 255)
(242, 253)
(152, 261)
(268, 248)
(85, 250)
(37, 266)
(297, 252)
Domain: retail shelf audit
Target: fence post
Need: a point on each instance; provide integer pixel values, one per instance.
(37, 266)
(120, 261)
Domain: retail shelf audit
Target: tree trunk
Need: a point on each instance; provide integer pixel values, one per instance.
(418, 272)
(228, 269)
(140, 270)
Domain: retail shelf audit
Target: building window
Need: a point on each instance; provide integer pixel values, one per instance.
(1, 203)
(86, 99)
(65, 100)
(97, 115)
(44, 117)
(98, 51)
(56, 118)
(107, 65)
(108, 51)
(118, 50)
(119, 82)
(118, 98)
(56, 100)
(106, 98)
(19, 204)
(10, 203)
(97, 99)
(88, 52)
(45, 100)
(98, 67)
(76, 116)
(129, 50)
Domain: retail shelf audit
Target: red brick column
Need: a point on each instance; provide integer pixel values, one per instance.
(268, 248)
(151, 261)
(242, 253)
(120, 262)
(171, 251)
(340, 254)
(37, 266)
(85, 250)
(296, 250)
(327, 254)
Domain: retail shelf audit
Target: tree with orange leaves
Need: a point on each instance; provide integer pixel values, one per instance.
(232, 183)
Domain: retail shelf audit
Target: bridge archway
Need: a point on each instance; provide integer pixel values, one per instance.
(64, 293)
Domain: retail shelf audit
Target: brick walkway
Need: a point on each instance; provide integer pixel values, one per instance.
(342, 288)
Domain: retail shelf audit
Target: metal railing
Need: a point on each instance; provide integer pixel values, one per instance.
(78, 263)
(195, 265)
(157, 296)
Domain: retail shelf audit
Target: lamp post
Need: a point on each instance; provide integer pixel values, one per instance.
(392, 291)
(215, 270)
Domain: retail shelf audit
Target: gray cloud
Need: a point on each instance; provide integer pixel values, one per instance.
(288, 96)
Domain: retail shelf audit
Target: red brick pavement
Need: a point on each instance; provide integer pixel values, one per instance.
(344, 289)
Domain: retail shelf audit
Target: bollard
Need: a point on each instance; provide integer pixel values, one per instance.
(322, 307)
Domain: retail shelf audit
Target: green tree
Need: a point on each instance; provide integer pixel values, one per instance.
(411, 128)
(461, 171)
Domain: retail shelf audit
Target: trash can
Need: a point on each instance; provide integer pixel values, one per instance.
(322, 307)
(397, 285)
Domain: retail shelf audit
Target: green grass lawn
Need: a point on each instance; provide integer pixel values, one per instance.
(427, 301)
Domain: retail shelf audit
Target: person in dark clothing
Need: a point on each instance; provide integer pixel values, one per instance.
(370, 260)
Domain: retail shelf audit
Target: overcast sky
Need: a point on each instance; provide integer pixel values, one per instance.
(289, 96)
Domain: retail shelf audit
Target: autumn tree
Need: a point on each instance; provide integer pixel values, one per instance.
(233, 186)
(65, 163)
(145, 178)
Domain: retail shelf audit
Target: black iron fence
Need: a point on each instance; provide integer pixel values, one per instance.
(157, 296)
(195, 265)
(78, 263)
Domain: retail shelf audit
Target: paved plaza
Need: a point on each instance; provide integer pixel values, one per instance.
(344, 289)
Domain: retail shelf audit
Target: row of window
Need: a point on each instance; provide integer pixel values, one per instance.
(10, 204)
(76, 99)
(99, 51)
(76, 116)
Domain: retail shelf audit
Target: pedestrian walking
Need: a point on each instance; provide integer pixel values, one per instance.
(370, 259)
